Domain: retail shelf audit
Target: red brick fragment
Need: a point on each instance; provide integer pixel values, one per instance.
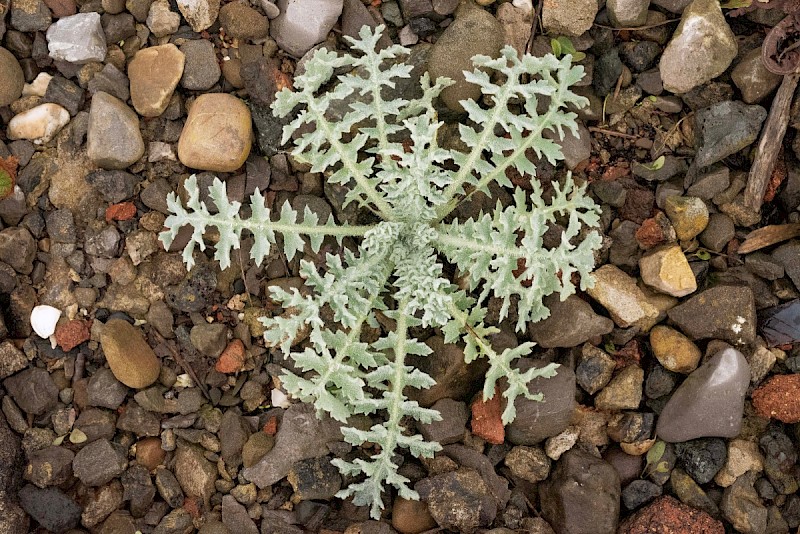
(667, 515)
(486, 419)
(71, 334)
(271, 426)
(120, 212)
(232, 358)
(779, 398)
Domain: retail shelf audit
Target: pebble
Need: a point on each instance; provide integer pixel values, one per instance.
(44, 319)
(779, 323)
(723, 312)
(149, 453)
(623, 392)
(666, 514)
(295, 32)
(131, 359)
(241, 21)
(474, 31)
(673, 350)
(209, 339)
(168, 486)
(625, 302)
(458, 500)
(301, 436)
(29, 15)
(33, 390)
(200, 14)
(779, 398)
(236, 432)
(77, 39)
(12, 360)
(411, 516)
(594, 370)
(743, 456)
(537, 421)
(571, 322)
(195, 474)
(753, 79)
(581, 495)
(689, 492)
(569, 18)
(626, 13)
(787, 255)
(702, 48)
(780, 459)
(702, 458)
(450, 429)
(201, 70)
(154, 73)
(710, 402)
(640, 492)
(98, 463)
(258, 445)
(161, 20)
(725, 128)
(113, 139)
(232, 358)
(227, 151)
(51, 466)
(742, 507)
(104, 390)
(13, 80)
(667, 270)
(38, 124)
(314, 478)
(71, 334)
(556, 446)
(236, 518)
(50, 507)
(688, 215)
(528, 463)
(718, 232)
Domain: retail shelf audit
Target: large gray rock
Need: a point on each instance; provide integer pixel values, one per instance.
(77, 39)
(582, 495)
(113, 140)
(710, 402)
(701, 49)
(474, 31)
(304, 23)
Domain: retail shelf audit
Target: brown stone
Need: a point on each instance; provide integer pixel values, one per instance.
(131, 359)
(486, 419)
(62, 8)
(411, 517)
(149, 453)
(667, 270)
(779, 398)
(154, 73)
(673, 350)
(217, 134)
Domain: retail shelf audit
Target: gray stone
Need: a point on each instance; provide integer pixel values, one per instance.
(200, 14)
(787, 255)
(459, 500)
(114, 186)
(710, 182)
(101, 503)
(178, 521)
(12, 360)
(576, 148)
(201, 71)
(710, 402)
(537, 421)
(718, 233)
(594, 369)
(742, 506)
(302, 435)
(195, 474)
(701, 49)
(29, 15)
(17, 249)
(571, 323)
(672, 166)
(112, 81)
(50, 507)
(296, 32)
(236, 432)
(51, 466)
(236, 518)
(753, 79)
(474, 31)
(314, 478)
(113, 140)
(451, 428)
(96, 424)
(98, 463)
(722, 312)
(724, 129)
(61, 226)
(161, 20)
(64, 93)
(627, 13)
(169, 488)
(136, 419)
(572, 18)
(582, 495)
(33, 390)
(209, 339)
(105, 390)
(77, 39)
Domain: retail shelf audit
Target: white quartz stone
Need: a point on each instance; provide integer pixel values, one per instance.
(38, 87)
(39, 124)
(77, 39)
(44, 319)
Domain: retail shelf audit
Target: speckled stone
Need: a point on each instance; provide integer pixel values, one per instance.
(619, 294)
(710, 402)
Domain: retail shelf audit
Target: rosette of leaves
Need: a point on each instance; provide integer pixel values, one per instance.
(386, 152)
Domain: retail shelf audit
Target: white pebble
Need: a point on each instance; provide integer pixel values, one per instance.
(44, 319)
(39, 124)
(279, 398)
(38, 87)
(270, 9)
(525, 5)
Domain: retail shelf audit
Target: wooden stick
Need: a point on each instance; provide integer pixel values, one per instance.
(770, 143)
(768, 235)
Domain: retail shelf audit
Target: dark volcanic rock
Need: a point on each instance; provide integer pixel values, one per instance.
(50, 507)
(33, 390)
(458, 500)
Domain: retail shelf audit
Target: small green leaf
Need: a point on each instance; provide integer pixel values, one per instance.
(652, 98)
(703, 254)
(609, 347)
(77, 436)
(578, 56)
(657, 164)
(555, 44)
(566, 45)
(656, 452)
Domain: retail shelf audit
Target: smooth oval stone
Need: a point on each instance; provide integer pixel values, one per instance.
(710, 402)
(131, 359)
